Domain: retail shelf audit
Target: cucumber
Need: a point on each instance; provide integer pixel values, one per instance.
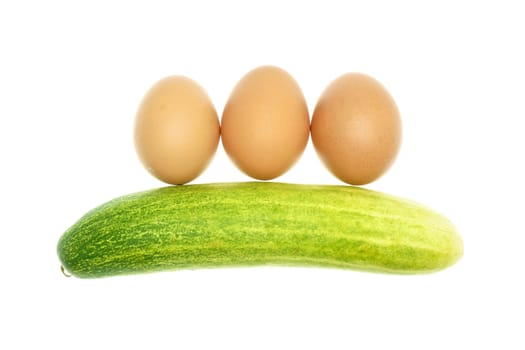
(258, 223)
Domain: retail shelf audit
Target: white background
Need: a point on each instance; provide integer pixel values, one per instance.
(71, 78)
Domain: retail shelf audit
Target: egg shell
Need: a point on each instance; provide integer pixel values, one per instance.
(356, 128)
(176, 130)
(265, 123)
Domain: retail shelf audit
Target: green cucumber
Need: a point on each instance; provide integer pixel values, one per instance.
(258, 223)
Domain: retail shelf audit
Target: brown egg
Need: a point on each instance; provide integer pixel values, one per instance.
(356, 128)
(265, 124)
(176, 130)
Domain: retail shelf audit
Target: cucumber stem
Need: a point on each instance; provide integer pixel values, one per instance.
(64, 271)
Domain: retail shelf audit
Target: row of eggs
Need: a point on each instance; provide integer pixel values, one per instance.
(265, 127)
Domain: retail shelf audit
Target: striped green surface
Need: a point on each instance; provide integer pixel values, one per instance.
(256, 223)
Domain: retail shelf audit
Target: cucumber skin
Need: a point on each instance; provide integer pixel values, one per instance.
(258, 223)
